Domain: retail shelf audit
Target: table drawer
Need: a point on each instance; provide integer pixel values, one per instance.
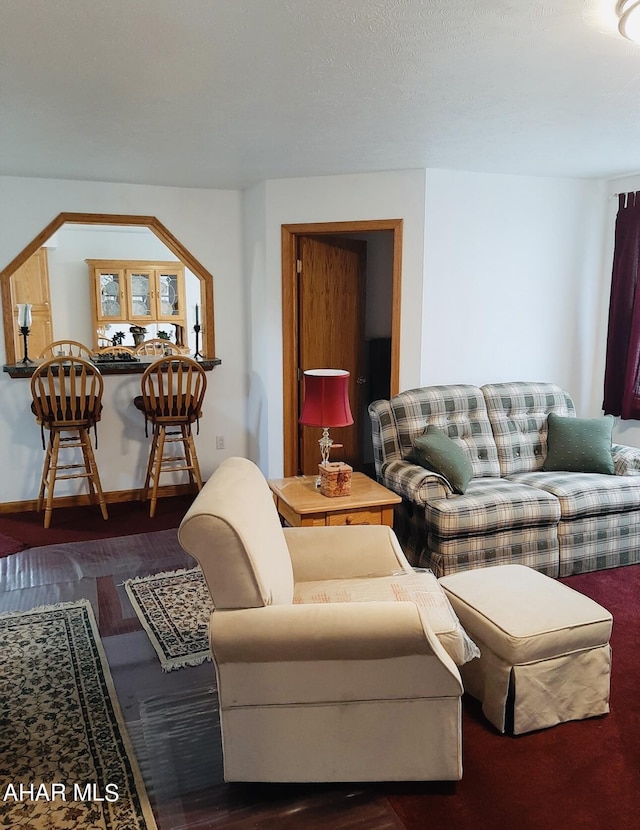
(366, 516)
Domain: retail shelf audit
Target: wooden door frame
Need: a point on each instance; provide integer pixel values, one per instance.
(290, 234)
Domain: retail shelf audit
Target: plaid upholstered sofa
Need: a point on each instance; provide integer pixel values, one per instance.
(512, 511)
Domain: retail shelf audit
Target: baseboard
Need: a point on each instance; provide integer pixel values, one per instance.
(111, 497)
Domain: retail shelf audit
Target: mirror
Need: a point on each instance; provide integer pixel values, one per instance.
(73, 238)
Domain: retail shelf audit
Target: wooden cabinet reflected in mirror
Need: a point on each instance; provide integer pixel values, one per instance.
(30, 284)
(147, 295)
(149, 290)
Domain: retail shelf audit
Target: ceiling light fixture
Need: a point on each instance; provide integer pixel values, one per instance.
(629, 13)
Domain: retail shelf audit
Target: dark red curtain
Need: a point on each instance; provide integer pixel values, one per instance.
(622, 369)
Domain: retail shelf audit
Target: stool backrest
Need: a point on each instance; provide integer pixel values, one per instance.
(67, 391)
(173, 389)
(159, 347)
(60, 348)
(117, 350)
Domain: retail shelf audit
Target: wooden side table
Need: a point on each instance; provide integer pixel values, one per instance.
(301, 504)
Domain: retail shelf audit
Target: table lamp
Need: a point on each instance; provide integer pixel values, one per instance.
(326, 405)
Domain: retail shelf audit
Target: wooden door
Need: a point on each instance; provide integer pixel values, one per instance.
(30, 284)
(331, 292)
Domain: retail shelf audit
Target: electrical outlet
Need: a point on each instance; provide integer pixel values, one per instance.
(219, 442)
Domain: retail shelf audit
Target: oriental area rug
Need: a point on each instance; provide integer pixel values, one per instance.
(174, 609)
(65, 756)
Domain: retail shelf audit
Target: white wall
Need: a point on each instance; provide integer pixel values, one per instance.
(263, 326)
(208, 223)
(327, 199)
(504, 278)
(513, 282)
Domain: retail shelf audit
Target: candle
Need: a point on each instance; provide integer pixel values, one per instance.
(197, 319)
(24, 315)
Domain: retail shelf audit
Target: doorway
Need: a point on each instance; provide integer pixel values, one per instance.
(322, 246)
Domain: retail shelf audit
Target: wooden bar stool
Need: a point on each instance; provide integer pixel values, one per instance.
(173, 389)
(157, 347)
(67, 401)
(60, 348)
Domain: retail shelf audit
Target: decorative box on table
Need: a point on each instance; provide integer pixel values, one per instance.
(335, 478)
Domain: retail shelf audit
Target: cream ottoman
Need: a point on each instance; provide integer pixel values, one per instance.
(545, 655)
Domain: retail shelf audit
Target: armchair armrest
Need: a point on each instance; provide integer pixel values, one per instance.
(342, 552)
(328, 632)
(414, 483)
(626, 460)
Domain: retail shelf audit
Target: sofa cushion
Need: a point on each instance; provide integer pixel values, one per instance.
(459, 411)
(435, 451)
(518, 414)
(491, 505)
(581, 495)
(579, 445)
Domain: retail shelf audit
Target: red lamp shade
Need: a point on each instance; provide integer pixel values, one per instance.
(326, 398)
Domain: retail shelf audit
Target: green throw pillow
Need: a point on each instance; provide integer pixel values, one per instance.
(579, 445)
(437, 452)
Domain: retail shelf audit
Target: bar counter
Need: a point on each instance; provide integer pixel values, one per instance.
(111, 367)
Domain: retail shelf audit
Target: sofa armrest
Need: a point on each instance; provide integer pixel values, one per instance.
(343, 552)
(626, 460)
(328, 632)
(414, 483)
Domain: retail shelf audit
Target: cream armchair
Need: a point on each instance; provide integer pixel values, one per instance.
(317, 690)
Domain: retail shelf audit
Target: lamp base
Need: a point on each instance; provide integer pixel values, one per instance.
(335, 479)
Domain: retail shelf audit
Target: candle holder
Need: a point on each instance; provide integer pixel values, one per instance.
(25, 338)
(197, 354)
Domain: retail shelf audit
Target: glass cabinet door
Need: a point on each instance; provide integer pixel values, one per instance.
(140, 294)
(169, 295)
(111, 294)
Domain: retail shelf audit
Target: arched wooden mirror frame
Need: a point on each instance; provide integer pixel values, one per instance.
(165, 236)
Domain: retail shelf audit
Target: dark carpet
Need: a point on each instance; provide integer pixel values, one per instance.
(583, 774)
(85, 523)
(9, 545)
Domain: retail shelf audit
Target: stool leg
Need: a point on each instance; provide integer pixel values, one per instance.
(191, 456)
(152, 455)
(157, 467)
(45, 472)
(92, 471)
(184, 438)
(51, 477)
(82, 435)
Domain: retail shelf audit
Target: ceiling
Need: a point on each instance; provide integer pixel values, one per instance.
(227, 93)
